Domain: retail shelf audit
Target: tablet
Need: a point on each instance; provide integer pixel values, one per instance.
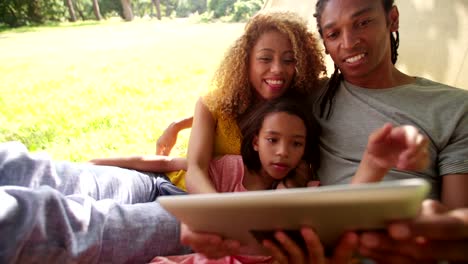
(252, 216)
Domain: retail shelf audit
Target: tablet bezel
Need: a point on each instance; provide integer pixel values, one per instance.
(330, 210)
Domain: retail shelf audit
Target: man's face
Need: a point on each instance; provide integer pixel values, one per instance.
(356, 34)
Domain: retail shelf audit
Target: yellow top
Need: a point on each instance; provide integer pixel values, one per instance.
(227, 141)
(227, 136)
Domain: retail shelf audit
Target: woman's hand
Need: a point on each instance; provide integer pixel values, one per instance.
(288, 251)
(210, 245)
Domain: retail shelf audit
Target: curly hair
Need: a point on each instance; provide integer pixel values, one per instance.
(233, 91)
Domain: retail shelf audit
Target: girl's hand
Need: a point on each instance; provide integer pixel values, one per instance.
(289, 252)
(168, 138)
(210, 245)
(301, 177)
(403, 147)
(166, 141)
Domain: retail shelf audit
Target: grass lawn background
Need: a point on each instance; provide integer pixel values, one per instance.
(105, 89)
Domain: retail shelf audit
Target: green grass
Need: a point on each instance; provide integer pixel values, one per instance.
(105, 89)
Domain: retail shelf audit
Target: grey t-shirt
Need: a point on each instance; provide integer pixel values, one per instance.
(437, 110)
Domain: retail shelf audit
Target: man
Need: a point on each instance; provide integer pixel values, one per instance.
(365, 91)
(361, 36)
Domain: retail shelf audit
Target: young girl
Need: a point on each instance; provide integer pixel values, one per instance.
(277, 136)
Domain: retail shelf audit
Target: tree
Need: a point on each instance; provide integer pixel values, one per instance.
(198, 6)
(79, 10)
(34, 12)
(97, 13)
(127, 10)
(169, 6)
(244, 9)
(157, 4)
(71, 10)
(221, 7)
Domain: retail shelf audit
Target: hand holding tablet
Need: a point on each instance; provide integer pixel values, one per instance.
(329, 210)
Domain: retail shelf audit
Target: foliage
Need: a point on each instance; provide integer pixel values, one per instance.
(187, 7)
(109, 8)
(221, 7)
(199, 6)
(232, 10)
(244, 9)
(169, 6)
(17, 13)
(142, 8)
(206, 17)
(84, 9)
(183, 8)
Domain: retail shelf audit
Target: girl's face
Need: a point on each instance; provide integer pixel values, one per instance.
(272, 65)
(280, 144)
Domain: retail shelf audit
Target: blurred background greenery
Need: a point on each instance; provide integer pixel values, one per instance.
(83, 90)
(15, 13)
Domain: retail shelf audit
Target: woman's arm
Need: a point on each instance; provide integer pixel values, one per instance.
(200, 151)
(168, 138)
(153, 163)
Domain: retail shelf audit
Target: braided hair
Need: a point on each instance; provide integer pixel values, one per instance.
(327, 98)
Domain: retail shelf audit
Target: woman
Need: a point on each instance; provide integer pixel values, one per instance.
(275, 55)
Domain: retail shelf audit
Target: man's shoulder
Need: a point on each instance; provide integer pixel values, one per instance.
(434, 91)
(436, 96)
(425, 83)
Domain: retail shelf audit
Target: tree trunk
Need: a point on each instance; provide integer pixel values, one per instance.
(79, 10)
(157, 4)
(127, 10)
(71, 10)
(96, 10)
(34, 12)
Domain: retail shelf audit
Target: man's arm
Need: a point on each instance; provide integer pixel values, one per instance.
(153, 163)
(455, 190)
(437, 234)
(402, 147)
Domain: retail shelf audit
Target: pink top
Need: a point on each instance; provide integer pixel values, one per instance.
(227, 173)
(200, 259)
